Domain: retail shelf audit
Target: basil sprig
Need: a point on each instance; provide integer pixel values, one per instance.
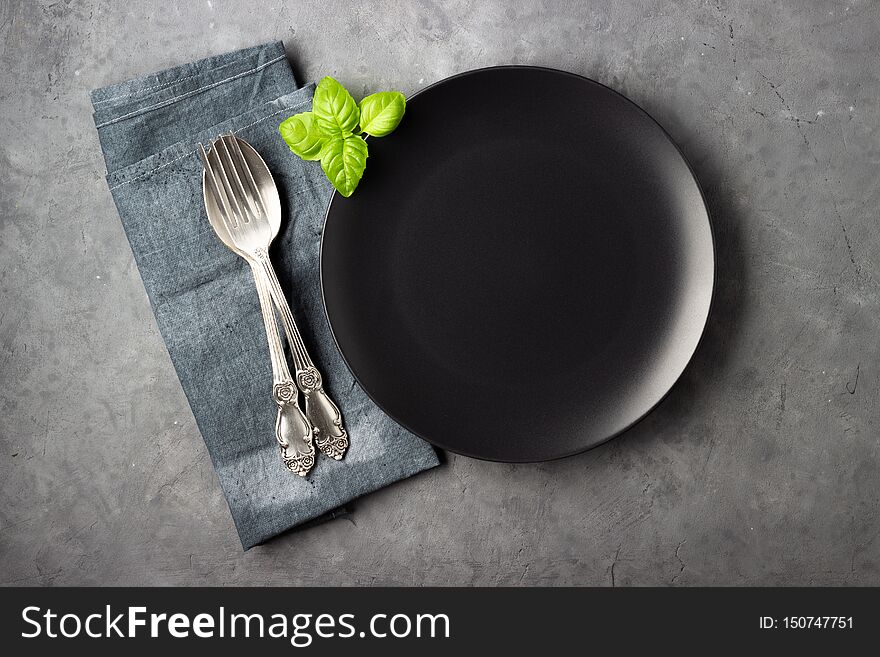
(332, 131)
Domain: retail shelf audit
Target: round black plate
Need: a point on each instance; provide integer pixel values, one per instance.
(526, 268)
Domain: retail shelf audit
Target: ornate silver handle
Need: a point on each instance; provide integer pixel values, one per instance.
(294, 434)
(292, 430)
(330, 436)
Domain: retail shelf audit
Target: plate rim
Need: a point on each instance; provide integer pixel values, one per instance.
(690, 359)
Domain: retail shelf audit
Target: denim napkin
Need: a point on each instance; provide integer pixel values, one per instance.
(203, 295)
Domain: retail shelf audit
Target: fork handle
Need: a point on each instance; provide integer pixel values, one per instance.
(292, 430)
(281, 378)
(330, 436)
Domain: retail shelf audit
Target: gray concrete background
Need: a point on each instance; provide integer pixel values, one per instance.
(761, 467)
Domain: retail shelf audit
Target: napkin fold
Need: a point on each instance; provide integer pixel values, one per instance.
(203, 295)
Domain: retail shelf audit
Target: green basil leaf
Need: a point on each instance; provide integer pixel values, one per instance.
(302, 134)
(344, 160)
(334, 108)
(381, 112)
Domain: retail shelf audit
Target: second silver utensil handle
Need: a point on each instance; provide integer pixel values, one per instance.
(292, 430)
(330, 436)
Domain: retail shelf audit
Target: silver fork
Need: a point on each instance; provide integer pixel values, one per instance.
(245, 237)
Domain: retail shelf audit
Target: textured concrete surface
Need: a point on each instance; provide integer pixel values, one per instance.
(761, 467)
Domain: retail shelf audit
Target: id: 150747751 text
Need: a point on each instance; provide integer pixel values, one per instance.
(806, 623)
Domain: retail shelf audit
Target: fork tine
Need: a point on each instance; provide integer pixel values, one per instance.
(226, 185)
(243, 193)
(255, 196)
(220, 189)
(230, 177)
(219, 197)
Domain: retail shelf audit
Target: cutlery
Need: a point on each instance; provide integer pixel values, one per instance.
(250, 189)
(292, 430)
(253, 180)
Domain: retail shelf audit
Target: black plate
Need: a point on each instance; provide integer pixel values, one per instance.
(526, 268)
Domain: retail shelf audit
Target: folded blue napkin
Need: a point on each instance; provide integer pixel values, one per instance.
(203, 295)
